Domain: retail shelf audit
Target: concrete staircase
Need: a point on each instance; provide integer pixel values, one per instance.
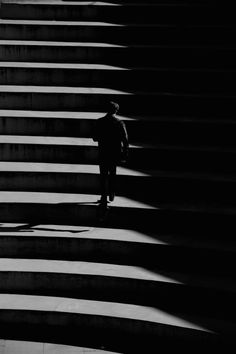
(159, 272)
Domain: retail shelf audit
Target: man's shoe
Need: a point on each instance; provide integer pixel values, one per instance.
(111, 197)
(102, 201)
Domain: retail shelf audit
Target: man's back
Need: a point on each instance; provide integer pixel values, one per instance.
(111, 135)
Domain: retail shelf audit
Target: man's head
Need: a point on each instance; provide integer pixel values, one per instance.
(112, 108)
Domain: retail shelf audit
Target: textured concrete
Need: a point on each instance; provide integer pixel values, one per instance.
(83, 98)
(69, 150)
(156, 271)
(64, 168)
(106, 11)
(117, 77)
(40, 303)
(50, 267)
(83, 268)
(123, 235)
(119, 33)
(21, 347)
(119, 55)
(54, 198)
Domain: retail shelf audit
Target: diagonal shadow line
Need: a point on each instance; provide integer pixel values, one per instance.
(28, 229)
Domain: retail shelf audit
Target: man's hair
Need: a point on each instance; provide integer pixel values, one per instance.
(113, 107)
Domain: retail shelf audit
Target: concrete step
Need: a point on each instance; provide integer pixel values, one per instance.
(173, 256)
(126, 14)
(96, 98)
(85, 151)
(91, 31)
(128, 118)
(123, 284)
(120, 55)
(20, 347)
(112, 326)
(77, 209)
(149, 185)
(97, 75)
(208, 131)
(79, 242)
(116, 2)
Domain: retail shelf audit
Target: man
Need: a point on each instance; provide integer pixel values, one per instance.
(112, 138)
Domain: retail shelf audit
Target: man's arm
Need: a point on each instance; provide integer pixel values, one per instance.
(124, 140)
(95, 132)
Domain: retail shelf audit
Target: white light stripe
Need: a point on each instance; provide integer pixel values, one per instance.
(100, 308)
(85, 268)
(60, 23)
(61, 44)
(61, 66)
(63, 90)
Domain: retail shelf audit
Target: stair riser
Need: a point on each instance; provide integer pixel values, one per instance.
(171, 159)
(145, 80)
(144, 188)
(164, 104)
(120, 14)
(47, 126)
(119, 34)
(189, 133)
(127, 56)
(169, 297)
(130, 218)
(157, 257)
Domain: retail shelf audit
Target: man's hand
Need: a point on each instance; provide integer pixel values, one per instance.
(124, 156)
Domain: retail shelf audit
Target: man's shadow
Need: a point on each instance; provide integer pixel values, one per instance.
(31, 227)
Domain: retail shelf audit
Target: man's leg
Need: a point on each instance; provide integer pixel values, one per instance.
(103, 181)
(112, 182)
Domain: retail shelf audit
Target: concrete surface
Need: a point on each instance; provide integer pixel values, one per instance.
(99, 308)
(83, 268)
(55, 198)
(22, 347)
(116, 271)
(178, 235)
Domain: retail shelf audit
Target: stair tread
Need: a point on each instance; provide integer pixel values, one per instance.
(100, 308)
(61, 44)
(61, 23)
(120, 202)
(62, 66)
(52, 114)
(117, 235)
(59, 2)
(90, 66)
(16, 347)
(101, 3)
(67, 141)
(83, 268)
(95, 115)
(58, 89)
(60, 198)
(48, 140)
(110, 45)
(91, 23)
(106, 91)
(68, 231)
(64, 168)
(118, 271)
